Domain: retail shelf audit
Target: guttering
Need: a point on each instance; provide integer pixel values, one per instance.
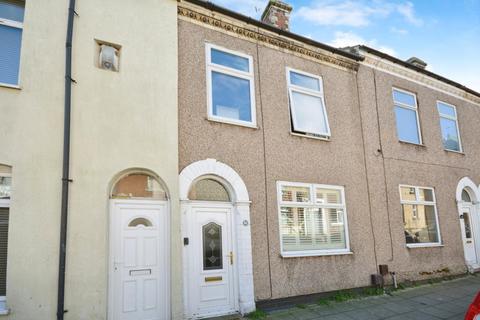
(232, 14)
(66, 163)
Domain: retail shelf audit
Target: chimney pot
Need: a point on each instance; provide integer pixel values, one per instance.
(277, 14)
(417, 62)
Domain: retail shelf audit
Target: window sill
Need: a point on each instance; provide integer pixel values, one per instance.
(233, 122)
(314, 254)
(454, 152)
(425, 245)
(10, 86)
(412, 143)
(310, 137)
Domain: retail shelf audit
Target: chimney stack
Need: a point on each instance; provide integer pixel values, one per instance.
(417, 62)
(277, 14)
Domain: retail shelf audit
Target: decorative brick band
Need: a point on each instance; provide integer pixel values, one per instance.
(268, 39)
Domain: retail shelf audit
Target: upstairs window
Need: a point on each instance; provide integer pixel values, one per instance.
(313, 219)
(230, 86)
(307, 104)
(11, 27)
(419, 216)
(406, 112)
(449, 126)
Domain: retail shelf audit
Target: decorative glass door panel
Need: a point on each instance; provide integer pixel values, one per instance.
(212, 246)
(210, 261)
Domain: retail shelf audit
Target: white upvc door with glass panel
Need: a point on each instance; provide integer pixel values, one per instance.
(468, 236)
(139, 261)
(210, 255)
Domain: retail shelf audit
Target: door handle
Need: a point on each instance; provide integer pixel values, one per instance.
(231, 257)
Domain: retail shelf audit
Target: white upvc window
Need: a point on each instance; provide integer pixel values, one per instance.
(420, 218)
(449, 126)
(406, 114)
(230, 86)
(11, 28)
(5, 192)
(312, 219)
(307, 104)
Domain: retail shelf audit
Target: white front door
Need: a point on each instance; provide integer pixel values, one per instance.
(211, 261)
(138, 281)
(468, 223)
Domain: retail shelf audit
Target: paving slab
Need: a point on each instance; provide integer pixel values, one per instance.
(447, 300)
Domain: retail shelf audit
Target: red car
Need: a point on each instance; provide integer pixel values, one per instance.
(473, 312)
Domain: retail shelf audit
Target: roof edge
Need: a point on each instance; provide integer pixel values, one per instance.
(418, 69)
(213, 7)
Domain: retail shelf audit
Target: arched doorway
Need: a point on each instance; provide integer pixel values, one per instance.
(467, 201)
(139, 248)
(217, 255)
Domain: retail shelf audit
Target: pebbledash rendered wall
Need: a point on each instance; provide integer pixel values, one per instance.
(120, 121)
(363, 155)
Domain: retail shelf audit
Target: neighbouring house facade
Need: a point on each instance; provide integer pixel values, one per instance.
(123, 160)
(216, 162)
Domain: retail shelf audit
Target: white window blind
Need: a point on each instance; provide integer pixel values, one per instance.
(11, 27)
(312, 219)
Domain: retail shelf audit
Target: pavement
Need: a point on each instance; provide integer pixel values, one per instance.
(444, 300)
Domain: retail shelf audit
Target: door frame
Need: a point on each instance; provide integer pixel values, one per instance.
(189, 209)
(240, 202)
(113, 236)
(474, 206)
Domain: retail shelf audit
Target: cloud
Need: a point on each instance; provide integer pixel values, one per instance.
(408, 12)
(355, 13)
(345, 39)
(398, 31)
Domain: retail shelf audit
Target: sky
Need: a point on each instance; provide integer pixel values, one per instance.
(443, 33)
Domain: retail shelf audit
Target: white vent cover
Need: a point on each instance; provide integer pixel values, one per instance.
(108, 59)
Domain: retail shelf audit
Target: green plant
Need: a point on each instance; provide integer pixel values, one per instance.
(372, 291)
(257, 315)
(401, 286)
(344, 295)
(323, 302)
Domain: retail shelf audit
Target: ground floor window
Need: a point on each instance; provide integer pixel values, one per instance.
(419, 216)
(313, 219)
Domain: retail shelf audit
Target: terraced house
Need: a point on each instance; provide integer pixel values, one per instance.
(212, 162)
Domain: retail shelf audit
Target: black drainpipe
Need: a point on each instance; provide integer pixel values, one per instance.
(66, 163)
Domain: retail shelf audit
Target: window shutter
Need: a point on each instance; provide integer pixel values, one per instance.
(4, 212)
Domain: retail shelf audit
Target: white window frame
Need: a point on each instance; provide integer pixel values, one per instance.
(446, 116)
(210, 67)
(4, 203)
(312, 204)
(18, 25)
(408, 107)
(319, 94)
(418, 202)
